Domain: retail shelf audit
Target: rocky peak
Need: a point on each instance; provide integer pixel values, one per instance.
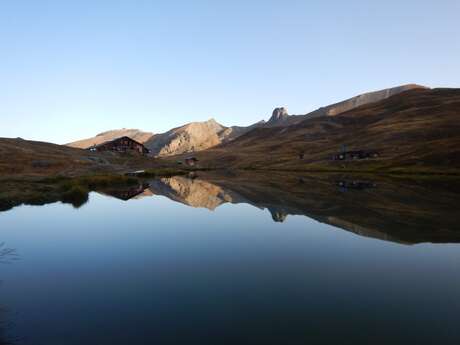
(279, 114)
(194, 136)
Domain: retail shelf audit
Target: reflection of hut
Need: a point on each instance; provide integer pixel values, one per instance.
(191, 161)
(126, 193)
(353, 155)
(123, 144)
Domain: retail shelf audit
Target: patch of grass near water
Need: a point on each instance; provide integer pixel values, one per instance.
(93, 182)
(57, 188)
(34, 191)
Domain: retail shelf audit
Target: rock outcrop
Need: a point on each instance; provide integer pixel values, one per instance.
(279, 114)
(195, 136)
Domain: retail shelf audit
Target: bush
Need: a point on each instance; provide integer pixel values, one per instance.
(76, 195)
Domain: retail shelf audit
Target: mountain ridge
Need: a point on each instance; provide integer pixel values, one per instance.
(413, 131)
(102, 137)
(198, 136)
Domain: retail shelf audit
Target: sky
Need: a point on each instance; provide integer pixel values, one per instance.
(71, 69)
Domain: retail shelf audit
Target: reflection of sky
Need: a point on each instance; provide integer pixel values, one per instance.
(146, 266)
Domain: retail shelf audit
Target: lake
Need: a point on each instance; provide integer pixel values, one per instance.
(237, 259)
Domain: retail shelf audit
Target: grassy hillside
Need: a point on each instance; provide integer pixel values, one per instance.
(37, 173)
(19, 158)
(415, 131)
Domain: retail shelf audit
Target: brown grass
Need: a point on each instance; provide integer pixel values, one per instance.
(416, 132)
(14, 192)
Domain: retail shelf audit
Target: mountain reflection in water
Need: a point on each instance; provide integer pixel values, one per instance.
(152, 271)
(401, 210)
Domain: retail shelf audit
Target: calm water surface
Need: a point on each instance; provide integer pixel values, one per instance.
(153, 270)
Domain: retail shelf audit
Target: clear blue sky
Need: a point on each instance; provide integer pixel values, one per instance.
(70, 69)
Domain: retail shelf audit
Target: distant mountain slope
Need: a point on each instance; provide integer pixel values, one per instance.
(363, 99)
(198, 136)
(191, 137)
(417, 130)
(194, 136)
(135, 134)
(280, 116)
(231, 133)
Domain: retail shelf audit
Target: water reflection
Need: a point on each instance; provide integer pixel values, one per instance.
(404, 210)
(127, 192)
(148, 270)
(400, 210)
(7, 256)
